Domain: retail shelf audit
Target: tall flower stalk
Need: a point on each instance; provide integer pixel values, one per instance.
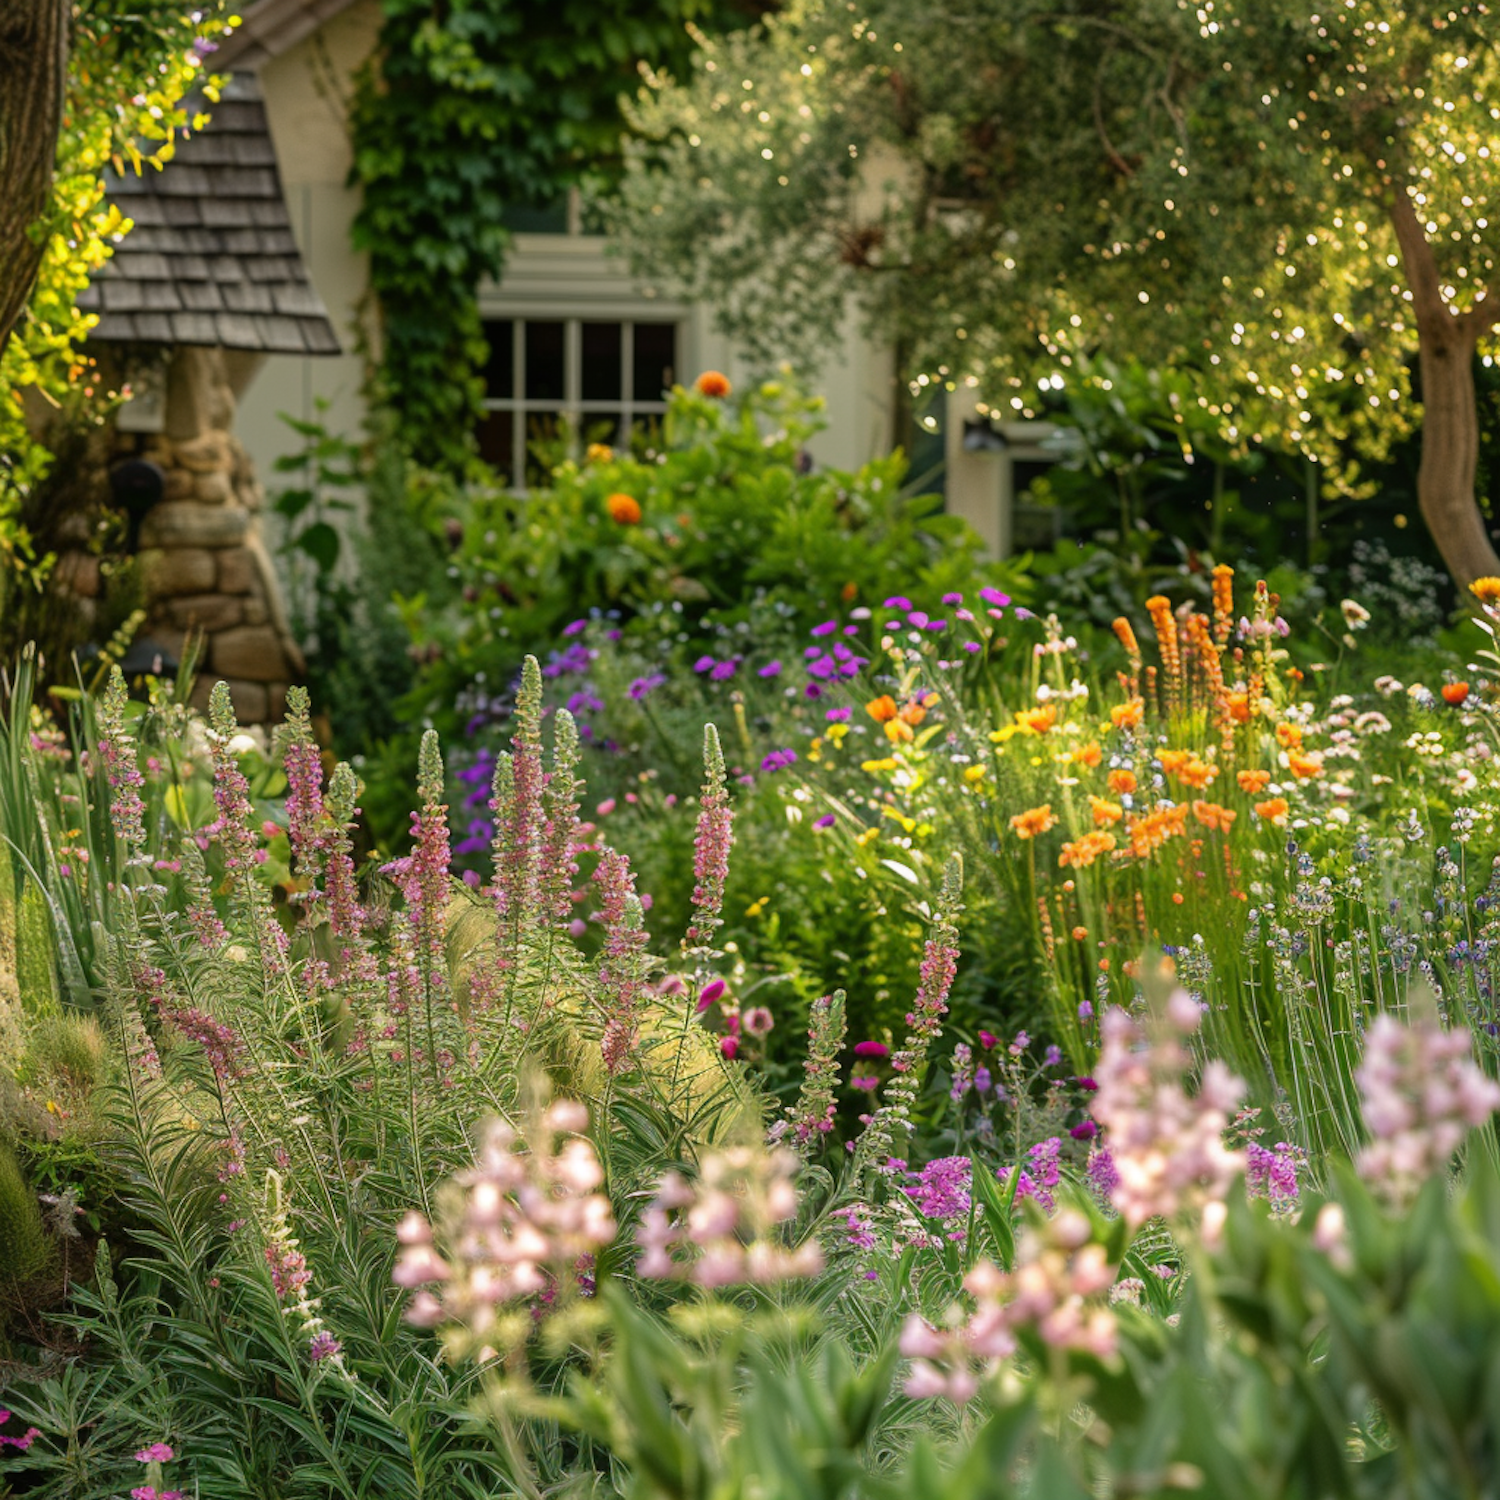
(711, 845)
(621, 959)
(924, 1023)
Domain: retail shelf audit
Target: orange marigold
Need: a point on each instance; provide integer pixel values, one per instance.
(624, 509)
(1252, 782)
(1036, 720)
(1486, 590)
(1289, 735)
(1212, 815)
(882, 709)
(1106, 814)
(711, 383)
(1274, 809)
(1122, 783)
(1127, 715)
(1454, 693)
(1087, 755)
(1080, 854)
(1034, 821)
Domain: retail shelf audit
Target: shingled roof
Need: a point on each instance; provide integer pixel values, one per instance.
(211, 259)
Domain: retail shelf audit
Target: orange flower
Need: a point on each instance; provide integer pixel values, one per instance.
(882, 709)
(1034, 821)
(1126, 632)
(1081, 854)
(1172, 761)
(598, 453)
(1274, 810)
(625, 509)
(1288, 736)
(898, 731)
(1105, 813)
(1087, 755)
(1036, 720)
(1239, 707)
(1304, 766)
(1223, 593)
(1454, 693)
(914, 712)
(1079, 933)
(1127, 715)
(711, 383)
(1211, 815)
(1252, 782)
(1153, 829)
(849, 593)
(1486, 590)
(1198, 773)
(1122, 783)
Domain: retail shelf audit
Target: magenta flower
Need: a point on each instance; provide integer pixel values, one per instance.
(871, 1049)
(771, 669)
(898, 601)
(826, 821)
(826, 628)
(725, 670)
(995, 597)
(157, 1453)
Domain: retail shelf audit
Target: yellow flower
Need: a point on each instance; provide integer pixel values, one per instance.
(836, 732)
(598, 453)
(867, 837)
(874, 766)
(1036, 720)
(973, 774)
(1486, 590)
(898, 732)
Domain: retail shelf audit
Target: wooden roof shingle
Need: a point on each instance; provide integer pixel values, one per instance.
(211, 259)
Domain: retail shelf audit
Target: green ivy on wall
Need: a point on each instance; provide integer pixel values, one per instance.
(467, 107)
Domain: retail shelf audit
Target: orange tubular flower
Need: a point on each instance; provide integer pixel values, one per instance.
(882, 709)
(1486, 590)
(1289, 736)
(1126, 633)
(1087, 755)
(1274, 809)
(1212, 815)
(1303, 766)
(1036, 720)
(624, 509)
(1252, 782)
(913, 713)
(1223, 601)
(1082, 853)
(1034, 821)
(1122, 783)
(711, 383)
(898, 732)
(1454, 693)
(1106, 814)
(1127, 715)
(1239, 707)
(1159, 607)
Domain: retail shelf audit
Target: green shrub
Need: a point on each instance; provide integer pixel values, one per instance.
(23, 1235)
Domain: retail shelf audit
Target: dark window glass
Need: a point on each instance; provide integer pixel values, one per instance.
(600, 427)
(536, 218)
(544, 361)
(601, 361)
(497, 441)
(655, 363)
(499, 367)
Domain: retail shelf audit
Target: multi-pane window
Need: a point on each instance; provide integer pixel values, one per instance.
(549, 379)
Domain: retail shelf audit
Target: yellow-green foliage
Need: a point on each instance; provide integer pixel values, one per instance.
(66, 1055)
(23, 1237)
(9, 993)
(36, 959)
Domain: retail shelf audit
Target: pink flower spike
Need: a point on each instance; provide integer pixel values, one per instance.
(157, 1453)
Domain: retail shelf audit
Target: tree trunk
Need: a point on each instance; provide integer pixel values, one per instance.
(33, 80)
(1446, 342)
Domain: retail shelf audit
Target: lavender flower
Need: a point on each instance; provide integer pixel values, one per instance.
(1037, 1180)
(711, 846)
(1271, 1173)
(622, 957)
(303, 765)
(941, 1189)
(813, 1115)
(118, 756)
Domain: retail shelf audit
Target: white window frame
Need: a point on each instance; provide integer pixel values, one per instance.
(573, 408)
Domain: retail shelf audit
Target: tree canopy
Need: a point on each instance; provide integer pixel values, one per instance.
(1289, 200)
(126, 67)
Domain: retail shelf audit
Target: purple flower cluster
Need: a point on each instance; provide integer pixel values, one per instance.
(1271, 1173)
(941, 1189)
(1037, 1180)
(711, 845)
(117, 753)
(778, 760)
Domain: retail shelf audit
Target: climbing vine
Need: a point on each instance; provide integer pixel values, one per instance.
(468, 107)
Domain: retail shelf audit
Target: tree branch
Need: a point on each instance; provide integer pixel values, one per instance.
(1434, 316)
(33, 80)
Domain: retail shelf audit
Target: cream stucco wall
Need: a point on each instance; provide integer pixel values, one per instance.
(307, 91)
